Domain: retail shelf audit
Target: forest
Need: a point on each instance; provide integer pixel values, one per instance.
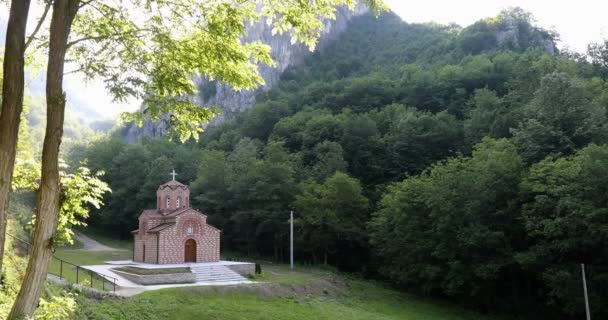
(437, 158)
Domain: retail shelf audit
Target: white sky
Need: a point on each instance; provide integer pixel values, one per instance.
(578, 23)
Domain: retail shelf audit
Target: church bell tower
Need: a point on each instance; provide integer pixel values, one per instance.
(172, 195)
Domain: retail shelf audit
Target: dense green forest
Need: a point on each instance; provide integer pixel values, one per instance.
(467, 163)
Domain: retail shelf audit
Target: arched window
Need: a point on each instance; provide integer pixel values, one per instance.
(189, 229)
(168, 202)
(178, 202)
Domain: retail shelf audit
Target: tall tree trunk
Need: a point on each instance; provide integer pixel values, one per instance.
(47, 208)
(12, 105)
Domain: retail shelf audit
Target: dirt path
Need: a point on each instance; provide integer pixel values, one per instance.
(92, 245)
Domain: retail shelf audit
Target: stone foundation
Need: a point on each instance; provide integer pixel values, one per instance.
(243, 268)
(169, 278)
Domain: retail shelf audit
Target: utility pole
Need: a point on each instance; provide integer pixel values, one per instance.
(585, 289)
(291, 239)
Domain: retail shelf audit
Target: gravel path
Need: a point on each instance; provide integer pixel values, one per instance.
(92, 245)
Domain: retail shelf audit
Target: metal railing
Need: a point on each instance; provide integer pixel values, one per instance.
(82, 276)
(74, 273)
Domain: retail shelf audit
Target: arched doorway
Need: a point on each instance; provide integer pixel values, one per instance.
(190, 251)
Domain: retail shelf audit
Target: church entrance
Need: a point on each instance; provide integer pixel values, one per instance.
(190, 251)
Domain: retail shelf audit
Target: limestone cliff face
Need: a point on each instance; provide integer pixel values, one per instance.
(232, 102)
(518, 35)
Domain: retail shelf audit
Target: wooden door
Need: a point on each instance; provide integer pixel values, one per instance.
(190, 251)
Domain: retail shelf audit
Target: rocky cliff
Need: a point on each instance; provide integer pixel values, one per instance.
(232, 102)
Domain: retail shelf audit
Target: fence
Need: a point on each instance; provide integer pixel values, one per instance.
(73, 273)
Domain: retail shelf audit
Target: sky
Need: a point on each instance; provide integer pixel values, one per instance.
(578, 23)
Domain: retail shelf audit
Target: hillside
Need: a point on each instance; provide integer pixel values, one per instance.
(301, 294)
(451, 162)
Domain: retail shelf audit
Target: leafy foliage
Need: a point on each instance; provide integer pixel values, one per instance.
(81, 190)
(332, 217)
(452, 229)
(566, 218)
(561, 119)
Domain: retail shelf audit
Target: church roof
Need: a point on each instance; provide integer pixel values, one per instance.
(167, 213)
(161, 227)
(177, 212)
(152, 213)
(173, 184)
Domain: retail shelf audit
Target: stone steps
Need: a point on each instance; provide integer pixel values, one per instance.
(217, 275)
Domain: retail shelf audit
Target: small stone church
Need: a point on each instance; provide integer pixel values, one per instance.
(174, 232)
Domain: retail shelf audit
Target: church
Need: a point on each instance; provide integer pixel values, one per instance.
(174, 232)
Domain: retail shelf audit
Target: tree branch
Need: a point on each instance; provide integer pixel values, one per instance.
(73, 71)
(84, 3)
(71, 43)
(47, 7)
(117, 34)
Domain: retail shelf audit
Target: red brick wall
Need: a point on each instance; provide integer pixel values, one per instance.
(172, 194)
(172, 240)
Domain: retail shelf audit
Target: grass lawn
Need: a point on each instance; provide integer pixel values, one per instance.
(76, 257)
(81, 258)
(282, 274)
(144, 271)
(300, 295)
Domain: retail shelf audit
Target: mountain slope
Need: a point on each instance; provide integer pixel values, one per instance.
(284, 53)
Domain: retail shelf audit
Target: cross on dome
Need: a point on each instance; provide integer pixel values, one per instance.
(173, 174)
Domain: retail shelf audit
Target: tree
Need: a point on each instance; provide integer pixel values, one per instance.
(329, 158)
(362, 147)
(12, 105)
(417, 139)
(332, 215)
(49, 203)
(598, 52)
(453, 229)
(560, 119)
(79, 190)
(487, 116)
(273, 190)
(146, 57)
(211, 188)
(566, 219)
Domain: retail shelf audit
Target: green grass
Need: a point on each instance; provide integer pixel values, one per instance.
(144, 271)
(282, 274)
(82, 258)
(310, 294)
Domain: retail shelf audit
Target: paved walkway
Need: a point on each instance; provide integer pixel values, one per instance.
(90, 244)
(127, 288)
